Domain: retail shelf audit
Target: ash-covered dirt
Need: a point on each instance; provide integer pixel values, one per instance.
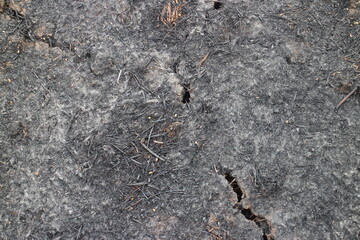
(127, 119)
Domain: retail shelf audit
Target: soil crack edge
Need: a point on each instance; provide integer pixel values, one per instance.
(260, 221)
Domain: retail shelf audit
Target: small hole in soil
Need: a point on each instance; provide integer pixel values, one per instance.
(175, 67)
(218, 5)
(186, 93)
(235, 186)
(288, 60)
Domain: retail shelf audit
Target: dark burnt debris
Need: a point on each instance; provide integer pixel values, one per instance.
(113, 113)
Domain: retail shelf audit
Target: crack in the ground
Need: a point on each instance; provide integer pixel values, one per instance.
(260, 221)
(186, 93)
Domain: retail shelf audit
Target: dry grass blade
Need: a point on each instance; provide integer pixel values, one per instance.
(203, 59)
(347, 97)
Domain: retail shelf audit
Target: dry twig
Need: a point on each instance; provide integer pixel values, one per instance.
(203, 59)
(347, 97)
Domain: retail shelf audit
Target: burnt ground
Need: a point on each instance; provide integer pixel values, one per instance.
(217, 124)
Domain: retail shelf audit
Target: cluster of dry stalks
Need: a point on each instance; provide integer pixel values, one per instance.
(171, 12)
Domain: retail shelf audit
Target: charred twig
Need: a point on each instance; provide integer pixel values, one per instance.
(159, 120)
(162, 192)
(17, 26)
(281, 17)
(122, 152)
(136, 162)
(137, 221)
(150, 151)
(72, 119)
(154, 123)
(136, 149)
(146, 171)
(347, 97)
(90, 145)
(149, 128)
(136, 203)
(140, 184)
(317, 20)
(148, 141)
(72, 154)
(154, 187)
(158, 135)
(158, 174)
(142, 191)
(117, 148)
(79, 232)
(140, 85)
(148, 63)
(163, 100)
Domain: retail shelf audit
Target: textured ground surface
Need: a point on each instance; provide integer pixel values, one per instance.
(222, 126)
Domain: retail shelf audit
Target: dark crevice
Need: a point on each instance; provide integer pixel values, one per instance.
(186, 93)
(218, 5)
(13, 13)
(175, 66)
(235, 186)
(260, 221)
(248, 214)
(288, 60)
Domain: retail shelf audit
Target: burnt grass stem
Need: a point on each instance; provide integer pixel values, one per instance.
(260, 221)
